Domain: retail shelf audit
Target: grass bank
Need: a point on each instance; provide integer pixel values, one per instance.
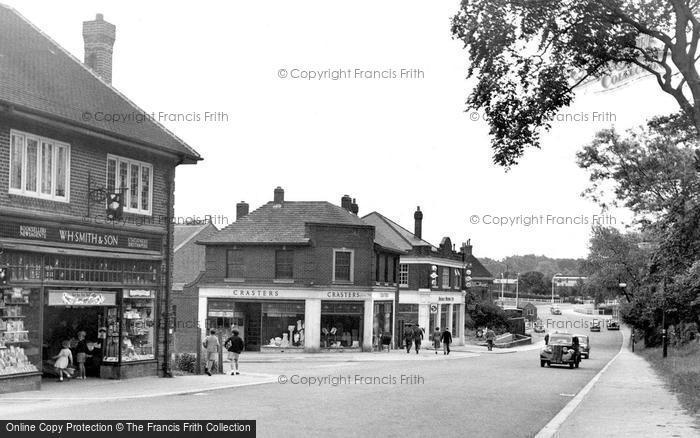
(681, 371)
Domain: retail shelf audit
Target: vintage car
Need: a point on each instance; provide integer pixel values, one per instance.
(539, 327)
(584, 346)
(613, 325)
(560, 350)
(595, 326)
(555, 310)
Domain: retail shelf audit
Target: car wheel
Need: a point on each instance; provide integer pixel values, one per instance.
(542, 363)
(549, 364)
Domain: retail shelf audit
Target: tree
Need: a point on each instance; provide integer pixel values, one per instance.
(533, 282)
(614, 258)
(529, 57)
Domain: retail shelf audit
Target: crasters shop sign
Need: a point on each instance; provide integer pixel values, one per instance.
(74, 236)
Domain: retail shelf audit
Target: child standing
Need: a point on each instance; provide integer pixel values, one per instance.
(64, 359)
(81, 354)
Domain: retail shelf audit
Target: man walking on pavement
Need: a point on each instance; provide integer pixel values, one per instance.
(417, 336)
(436, 339)
(235, 346)
(211, 345)
(490, 337)
(446, 339)
(408, 336)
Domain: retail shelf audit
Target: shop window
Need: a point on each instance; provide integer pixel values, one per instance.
(342, 265)
(283, 324)
(403, 275)
(134, 179)
(284, 264)
(39, 167)
(445, 277)
(138, 317)
(341, 324)
(19, 331)
(234, 264)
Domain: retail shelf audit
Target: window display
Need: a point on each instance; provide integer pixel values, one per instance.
(283, 324)
(13, 334)
(138, 317)
(341, 324)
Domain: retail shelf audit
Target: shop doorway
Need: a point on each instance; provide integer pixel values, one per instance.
(226, 315)
(62, 323)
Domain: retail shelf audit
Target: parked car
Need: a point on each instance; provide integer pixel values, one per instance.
(560, 350)
(539, 327)
(555, 310)
(613, 325)
(595, 326)
(584, 346)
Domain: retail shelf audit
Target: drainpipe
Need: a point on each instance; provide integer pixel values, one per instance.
(167, 372)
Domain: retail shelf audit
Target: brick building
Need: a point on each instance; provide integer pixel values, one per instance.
(188, 264)
(70, 268)
(433, 280)
(295, 276)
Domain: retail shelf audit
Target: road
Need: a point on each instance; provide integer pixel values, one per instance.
(496, 395)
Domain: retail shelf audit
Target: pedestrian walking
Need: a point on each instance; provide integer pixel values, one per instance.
(235, 347)
(408, 336)
(437, 335)
(446, 339)
(386, 341)
(211, 345)
(417, 337)
(490, 337)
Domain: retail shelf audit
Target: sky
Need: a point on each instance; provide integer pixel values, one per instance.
(249, 85)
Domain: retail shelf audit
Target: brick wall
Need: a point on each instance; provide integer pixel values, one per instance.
(88, 154)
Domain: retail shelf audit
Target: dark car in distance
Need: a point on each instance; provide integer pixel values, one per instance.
(584, 346)
(595, 326)
(613, 325)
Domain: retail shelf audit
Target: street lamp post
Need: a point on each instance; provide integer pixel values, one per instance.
(553, 277)
(517, 288)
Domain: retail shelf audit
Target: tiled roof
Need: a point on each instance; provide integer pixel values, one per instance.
(282, 223)
(39, 76)
(186, 233)
(398, 236)
(406, 241)
(478, 270)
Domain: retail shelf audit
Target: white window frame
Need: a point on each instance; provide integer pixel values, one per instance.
(402, 273)
(22, 191)
(445, 269)
(352, 264)
(126, 194)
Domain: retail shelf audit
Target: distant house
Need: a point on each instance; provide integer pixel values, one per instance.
(529, 311)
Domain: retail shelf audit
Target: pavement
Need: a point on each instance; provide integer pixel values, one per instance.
(627, 398)
(143, 387)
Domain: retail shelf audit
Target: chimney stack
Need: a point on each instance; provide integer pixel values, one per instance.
(418, 229)
(346, 202)
(467, 247)
(99, 36)
(242, 209)
(354, 208)
(279, 195)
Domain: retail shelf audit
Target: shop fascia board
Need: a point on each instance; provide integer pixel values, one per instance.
(412, 260)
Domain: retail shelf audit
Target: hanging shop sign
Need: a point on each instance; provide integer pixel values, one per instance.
(82, 298)
(92, 237)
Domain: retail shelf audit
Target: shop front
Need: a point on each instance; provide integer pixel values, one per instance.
(279, 320)
(71, 293)
(431, 309)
